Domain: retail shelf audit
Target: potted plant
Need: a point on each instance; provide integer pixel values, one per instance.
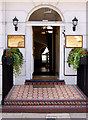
(17, 57)
(76, 56)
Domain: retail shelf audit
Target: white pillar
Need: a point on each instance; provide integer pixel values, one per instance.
(29, 52)
(62, 41)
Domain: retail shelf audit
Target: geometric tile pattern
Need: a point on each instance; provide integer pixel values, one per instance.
(57, 95)
(44, 103)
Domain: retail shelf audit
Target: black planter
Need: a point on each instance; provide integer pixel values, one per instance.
(83, 60)
(7, 75)
(82, 75)
(7, 60)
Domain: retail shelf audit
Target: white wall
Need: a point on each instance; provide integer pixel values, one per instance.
(78, 10)
(0, 50)
(21, 10)
(87, 24)
(2, 40)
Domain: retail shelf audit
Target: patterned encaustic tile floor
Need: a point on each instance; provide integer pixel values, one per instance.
(58, 92)
(56, 98)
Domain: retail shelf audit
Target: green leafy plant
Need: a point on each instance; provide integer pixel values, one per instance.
(74, 57)
(18, 59)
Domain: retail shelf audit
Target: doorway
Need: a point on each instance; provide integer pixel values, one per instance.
(46, 50)
(45, 16)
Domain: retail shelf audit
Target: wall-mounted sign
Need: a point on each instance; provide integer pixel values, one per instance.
(16, 41)
(73, 41)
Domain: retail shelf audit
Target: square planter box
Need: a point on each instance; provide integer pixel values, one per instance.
(83, 60)
(7, 60)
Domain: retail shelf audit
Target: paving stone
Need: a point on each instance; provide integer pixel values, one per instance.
(63, 119)
(11, 118)
(59, 115)
(87, 115)
(78, 115)
(11, 115)
(78, 118)
(33, 115)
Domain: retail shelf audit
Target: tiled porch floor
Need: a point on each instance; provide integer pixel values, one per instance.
(56, 92)
(56, 97)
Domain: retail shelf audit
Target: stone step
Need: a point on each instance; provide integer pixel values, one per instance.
(44, 82)
(45, 109)
(60, 98)
(45, 78)
(52, 95)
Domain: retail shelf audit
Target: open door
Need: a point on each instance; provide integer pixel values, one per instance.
(45, 51)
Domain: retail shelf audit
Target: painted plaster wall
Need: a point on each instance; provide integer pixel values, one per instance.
(0, 50)
(68, 10)
(2, 41)
(21, 11)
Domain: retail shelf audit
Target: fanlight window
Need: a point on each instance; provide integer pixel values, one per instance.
(45, 14)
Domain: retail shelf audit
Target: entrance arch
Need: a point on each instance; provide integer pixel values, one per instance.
(45, 6)
(29, 40)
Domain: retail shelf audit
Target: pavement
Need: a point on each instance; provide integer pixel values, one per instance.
(43, 116)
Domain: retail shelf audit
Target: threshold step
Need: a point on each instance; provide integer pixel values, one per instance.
(45, 77)
(44, 82)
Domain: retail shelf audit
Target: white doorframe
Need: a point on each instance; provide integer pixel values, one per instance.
(62, 43)
(29, 52)
(29, 47)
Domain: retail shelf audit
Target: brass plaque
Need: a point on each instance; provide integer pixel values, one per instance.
(16, 41)
(73, 41)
